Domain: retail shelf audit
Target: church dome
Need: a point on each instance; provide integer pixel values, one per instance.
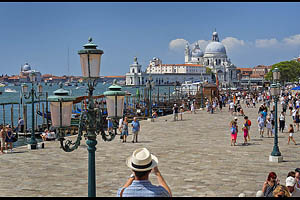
(215, 47)
(197, 53)
(26, 67)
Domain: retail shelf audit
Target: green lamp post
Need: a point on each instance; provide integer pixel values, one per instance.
(32, 94)
(275, 91)
(91, 120)
(202, 103)
(150, 85)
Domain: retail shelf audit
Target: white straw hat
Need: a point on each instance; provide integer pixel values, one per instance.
(141, 160)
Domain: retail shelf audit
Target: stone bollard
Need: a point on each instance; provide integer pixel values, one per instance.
(37, 146)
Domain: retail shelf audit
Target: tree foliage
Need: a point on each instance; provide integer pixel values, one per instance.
(289, 71)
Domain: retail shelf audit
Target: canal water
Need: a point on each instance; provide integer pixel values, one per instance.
(76, 91)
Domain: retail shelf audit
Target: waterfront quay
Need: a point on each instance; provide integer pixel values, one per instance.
(195, 158)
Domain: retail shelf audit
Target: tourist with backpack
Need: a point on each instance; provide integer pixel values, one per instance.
(248, 125)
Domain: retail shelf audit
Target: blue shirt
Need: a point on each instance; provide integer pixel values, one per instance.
(143, 188)
(135, 126)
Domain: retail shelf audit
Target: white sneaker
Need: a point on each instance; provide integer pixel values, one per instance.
(5, 151)
(11, 150)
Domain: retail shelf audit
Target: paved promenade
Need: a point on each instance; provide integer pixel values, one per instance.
(195, 158)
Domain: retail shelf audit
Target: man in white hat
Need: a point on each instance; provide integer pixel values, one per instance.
(290, 183)
(142, 163)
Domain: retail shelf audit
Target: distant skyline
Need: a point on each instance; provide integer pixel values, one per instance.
(253, 33)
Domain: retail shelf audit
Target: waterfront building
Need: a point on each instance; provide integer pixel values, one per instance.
(214, 57)
(194, 68)
(26, 71)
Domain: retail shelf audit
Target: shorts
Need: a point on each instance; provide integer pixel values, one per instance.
(291, 134)
(135, 132)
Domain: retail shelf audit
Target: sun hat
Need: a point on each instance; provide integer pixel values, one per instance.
(242, 195)
(141, 160)
(235, 118)
(290, 181)
(259, 193)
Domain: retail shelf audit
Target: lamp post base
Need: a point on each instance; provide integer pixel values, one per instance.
(277, 159)
(32, 146)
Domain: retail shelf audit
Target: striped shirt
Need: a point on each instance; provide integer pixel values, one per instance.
(143, 188)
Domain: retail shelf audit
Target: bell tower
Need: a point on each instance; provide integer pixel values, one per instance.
(187, 56)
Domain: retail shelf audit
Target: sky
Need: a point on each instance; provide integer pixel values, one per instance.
(42, 34)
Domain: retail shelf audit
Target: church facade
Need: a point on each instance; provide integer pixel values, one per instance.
(193, 69)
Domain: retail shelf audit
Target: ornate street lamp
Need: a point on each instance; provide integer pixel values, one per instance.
(150, 85)
(91, 120)
(275, 91)
(201, 88)
(32, 94)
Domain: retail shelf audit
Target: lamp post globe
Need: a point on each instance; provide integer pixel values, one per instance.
(115, 101)
(90, 58)
(61, 108)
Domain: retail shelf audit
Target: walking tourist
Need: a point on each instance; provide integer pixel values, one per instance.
(8, 138)
(2, 138)
(135, 129)
(291, 132)
(109, 124)
(261, 125)
(142, 163)
(281, 122)
(121, 124)
(270, 184)
(297, 119)
(193, 108)
(248, 124)
(124, 133)
(231, 107)
(233, 132)
(21, 125)
(269, 126)
(245, 129)
(181, 111)
(175, 112)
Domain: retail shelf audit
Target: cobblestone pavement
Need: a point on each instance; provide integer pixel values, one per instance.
(195, 158)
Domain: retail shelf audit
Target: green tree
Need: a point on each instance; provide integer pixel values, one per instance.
(289, 71)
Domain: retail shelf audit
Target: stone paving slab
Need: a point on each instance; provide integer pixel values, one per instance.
(195, 158)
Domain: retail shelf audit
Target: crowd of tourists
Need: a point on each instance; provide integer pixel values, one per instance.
(273, 188)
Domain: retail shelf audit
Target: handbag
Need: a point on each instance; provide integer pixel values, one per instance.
(14, 138)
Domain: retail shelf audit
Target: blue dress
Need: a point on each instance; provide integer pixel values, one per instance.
(125, 129)
(9, 134)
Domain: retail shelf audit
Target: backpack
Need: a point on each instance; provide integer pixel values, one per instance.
(249, 123)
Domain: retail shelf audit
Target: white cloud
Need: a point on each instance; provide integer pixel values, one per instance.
(177, 44)
(264, 43)
(292, 40)
(231, 43)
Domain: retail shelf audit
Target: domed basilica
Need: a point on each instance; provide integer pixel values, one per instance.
(215, 58)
